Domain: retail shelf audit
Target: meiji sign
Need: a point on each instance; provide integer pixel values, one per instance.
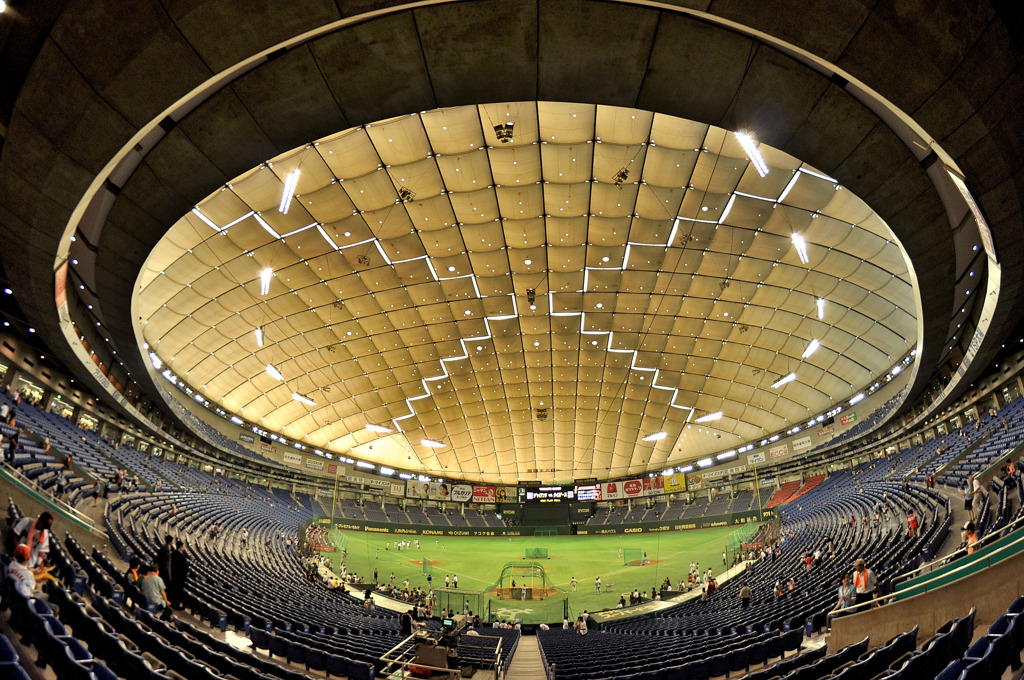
(758, 457)
(462, 493)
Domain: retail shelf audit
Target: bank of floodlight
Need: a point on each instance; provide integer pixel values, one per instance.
(753, 153)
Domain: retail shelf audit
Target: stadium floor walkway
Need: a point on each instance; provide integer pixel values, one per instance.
(526, 665)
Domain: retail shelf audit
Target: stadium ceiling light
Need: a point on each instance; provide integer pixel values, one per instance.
(259, 336)
(688, 468)
(811, 348)
(705, 462)
(274, 373)
(655, 437)
(801, 247)
(364, 465)
(727, 454)
(378, 428)
(859, 397)
(750, 147)
(265, 277)
(821, 308)
(386, 471)
(432, 444)
(290, 181)
(717, 415)
(784, 379)
(236, 420)
(303, 398)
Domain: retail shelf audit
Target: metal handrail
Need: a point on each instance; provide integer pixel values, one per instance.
(41, 495)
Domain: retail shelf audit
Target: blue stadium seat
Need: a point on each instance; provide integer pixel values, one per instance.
(335, 665)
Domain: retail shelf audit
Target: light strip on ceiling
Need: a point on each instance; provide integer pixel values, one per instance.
(750, 147)
(789, 187)
(821, 308)
(705, 462)
(204, 218)
(259, 336)
(655, 437)
(856, 399)
(432, 444)
(709, 417)
(728, 207)
(265, 277)
(303, 399)
(801, 247)
(266, 227)
(783, 380)
(288, 193)
(811, 348)
(274, 373)
(380, 429)
(724, 456)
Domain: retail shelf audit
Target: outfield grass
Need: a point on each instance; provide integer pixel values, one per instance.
(478, 562)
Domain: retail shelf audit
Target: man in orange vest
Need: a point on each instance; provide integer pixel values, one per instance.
(864, 581)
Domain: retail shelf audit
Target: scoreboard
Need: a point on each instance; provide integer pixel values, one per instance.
(549, 494)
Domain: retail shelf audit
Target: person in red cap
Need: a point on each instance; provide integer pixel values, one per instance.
(25, 580)
(34, 533)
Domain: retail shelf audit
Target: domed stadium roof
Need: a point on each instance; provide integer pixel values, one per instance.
(145, 159)
(549, 301)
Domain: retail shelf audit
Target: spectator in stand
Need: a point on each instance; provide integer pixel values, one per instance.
(971, 491)
(970, 536)
(35, 533)
(865, 582)
(155, 590)
(847, 597)
(912, 524)
(745, 595)
(179, 572)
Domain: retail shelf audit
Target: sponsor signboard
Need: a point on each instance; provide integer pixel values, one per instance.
(632, 488)
(368, 481)
(654, 486)
(397, 489)
(588, 492)
(848, 418)
(675, 483)
(715, 473)
(314, 464)
(802, 443)
(756, 457)
(414, 489)
(582, 530)
(461, 493)
(291, 458)
(611, 490)
(332, 468)
(439, 491)
(826, 431)
(247, 438)
(484, 494)
(268, 448)
(506, 494)
(778, 451)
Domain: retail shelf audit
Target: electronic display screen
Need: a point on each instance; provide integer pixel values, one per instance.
(447, 623)
(550, 494)
(590, 492)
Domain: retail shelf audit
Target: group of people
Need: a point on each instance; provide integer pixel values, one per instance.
(28, 542)
(162, 583)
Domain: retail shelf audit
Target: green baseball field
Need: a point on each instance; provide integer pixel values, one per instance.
(487, 565)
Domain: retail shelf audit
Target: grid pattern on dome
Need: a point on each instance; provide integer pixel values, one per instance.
(537, 305)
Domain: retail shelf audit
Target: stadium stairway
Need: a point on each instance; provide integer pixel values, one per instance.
(526, 664)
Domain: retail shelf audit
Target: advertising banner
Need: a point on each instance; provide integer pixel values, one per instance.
(314, 464)
(332, 468)
(611, 490)
(632, 488)
(291, 458)
(778, 451)
(439, 491)
(414, 489)
(484, 494)
(581, 530)
(654, 486)
(826, 431)
(247, 438)
(462, 493)
(757, 457)
(675, 483)
(506, 494)
(848, 418)
(269, 448)
(802, 443)
(588, 492)
(397, 489)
